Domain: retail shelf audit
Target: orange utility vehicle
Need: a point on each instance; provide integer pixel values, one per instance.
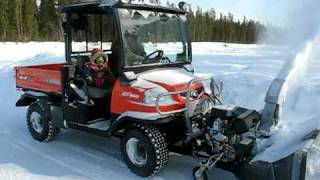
(157, 104)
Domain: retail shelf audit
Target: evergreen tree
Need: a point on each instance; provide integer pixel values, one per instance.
(23, 20)
(243, 31)
(50, 21)
(14, 20)
(3, 19)
(61, 3)
(29, 20)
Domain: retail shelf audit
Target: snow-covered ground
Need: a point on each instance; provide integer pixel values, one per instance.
(246, 70)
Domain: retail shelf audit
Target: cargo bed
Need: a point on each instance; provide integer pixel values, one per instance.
(44, 78)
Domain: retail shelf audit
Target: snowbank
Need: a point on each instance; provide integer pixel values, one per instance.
(13, 52)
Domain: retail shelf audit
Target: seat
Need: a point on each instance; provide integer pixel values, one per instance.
(98, 93)
(81, 61)
(91, 91)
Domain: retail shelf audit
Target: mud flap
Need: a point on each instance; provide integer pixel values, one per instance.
(293, 167)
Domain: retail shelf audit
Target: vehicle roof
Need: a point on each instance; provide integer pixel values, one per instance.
(95, 7)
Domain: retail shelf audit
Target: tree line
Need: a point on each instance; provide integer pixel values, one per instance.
(210, 26)
(25, 20)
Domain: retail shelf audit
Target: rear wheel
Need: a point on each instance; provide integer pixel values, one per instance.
(144, 150)
(39, 123)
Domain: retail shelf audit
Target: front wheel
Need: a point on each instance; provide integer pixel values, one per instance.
(39, 123)
(144, 150)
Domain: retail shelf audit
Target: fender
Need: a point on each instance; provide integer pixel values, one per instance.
(54, 112)
(120, 122)
(29, 97)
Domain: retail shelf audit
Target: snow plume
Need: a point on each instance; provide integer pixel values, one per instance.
(302, 21)
(302, 36)
(300, 24)
(301, 113)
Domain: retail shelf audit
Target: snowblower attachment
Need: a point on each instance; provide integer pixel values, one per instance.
(296, 166)
(232, 133)
(293, 167)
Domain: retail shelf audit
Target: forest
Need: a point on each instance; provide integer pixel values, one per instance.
(30, 20)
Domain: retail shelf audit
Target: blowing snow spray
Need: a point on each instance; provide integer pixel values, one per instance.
(290, 93)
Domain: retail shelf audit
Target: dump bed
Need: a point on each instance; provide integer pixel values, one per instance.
(43, 78)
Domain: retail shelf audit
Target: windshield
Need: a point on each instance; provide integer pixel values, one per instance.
(152, 38)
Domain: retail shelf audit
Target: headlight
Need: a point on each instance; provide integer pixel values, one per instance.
(150, 97)
(194, 93)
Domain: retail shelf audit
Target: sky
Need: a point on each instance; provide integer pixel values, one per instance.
(265, 11)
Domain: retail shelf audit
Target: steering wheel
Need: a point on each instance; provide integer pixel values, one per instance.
(149, 57)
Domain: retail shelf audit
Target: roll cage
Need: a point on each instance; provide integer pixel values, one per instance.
(100, 9)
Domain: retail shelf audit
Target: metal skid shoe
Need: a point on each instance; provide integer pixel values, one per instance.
(199, 173)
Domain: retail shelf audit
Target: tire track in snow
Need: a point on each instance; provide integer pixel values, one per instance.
(82, 162)
(24, 147)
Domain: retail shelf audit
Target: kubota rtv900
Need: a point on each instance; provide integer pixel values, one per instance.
(156, 105)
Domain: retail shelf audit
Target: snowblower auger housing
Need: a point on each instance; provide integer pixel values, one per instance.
(144, 92)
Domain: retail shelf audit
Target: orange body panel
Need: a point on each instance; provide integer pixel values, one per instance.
(45, 78)
(126, 98)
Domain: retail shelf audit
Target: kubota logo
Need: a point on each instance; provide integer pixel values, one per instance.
(130, 95)
(22, 77)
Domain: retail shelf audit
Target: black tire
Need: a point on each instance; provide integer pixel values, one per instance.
(48, 132)
(155, 148)
(204, 175)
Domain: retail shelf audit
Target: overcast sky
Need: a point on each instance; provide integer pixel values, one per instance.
(266, 11)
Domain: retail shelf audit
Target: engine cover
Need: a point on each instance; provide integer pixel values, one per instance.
(241, 120)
